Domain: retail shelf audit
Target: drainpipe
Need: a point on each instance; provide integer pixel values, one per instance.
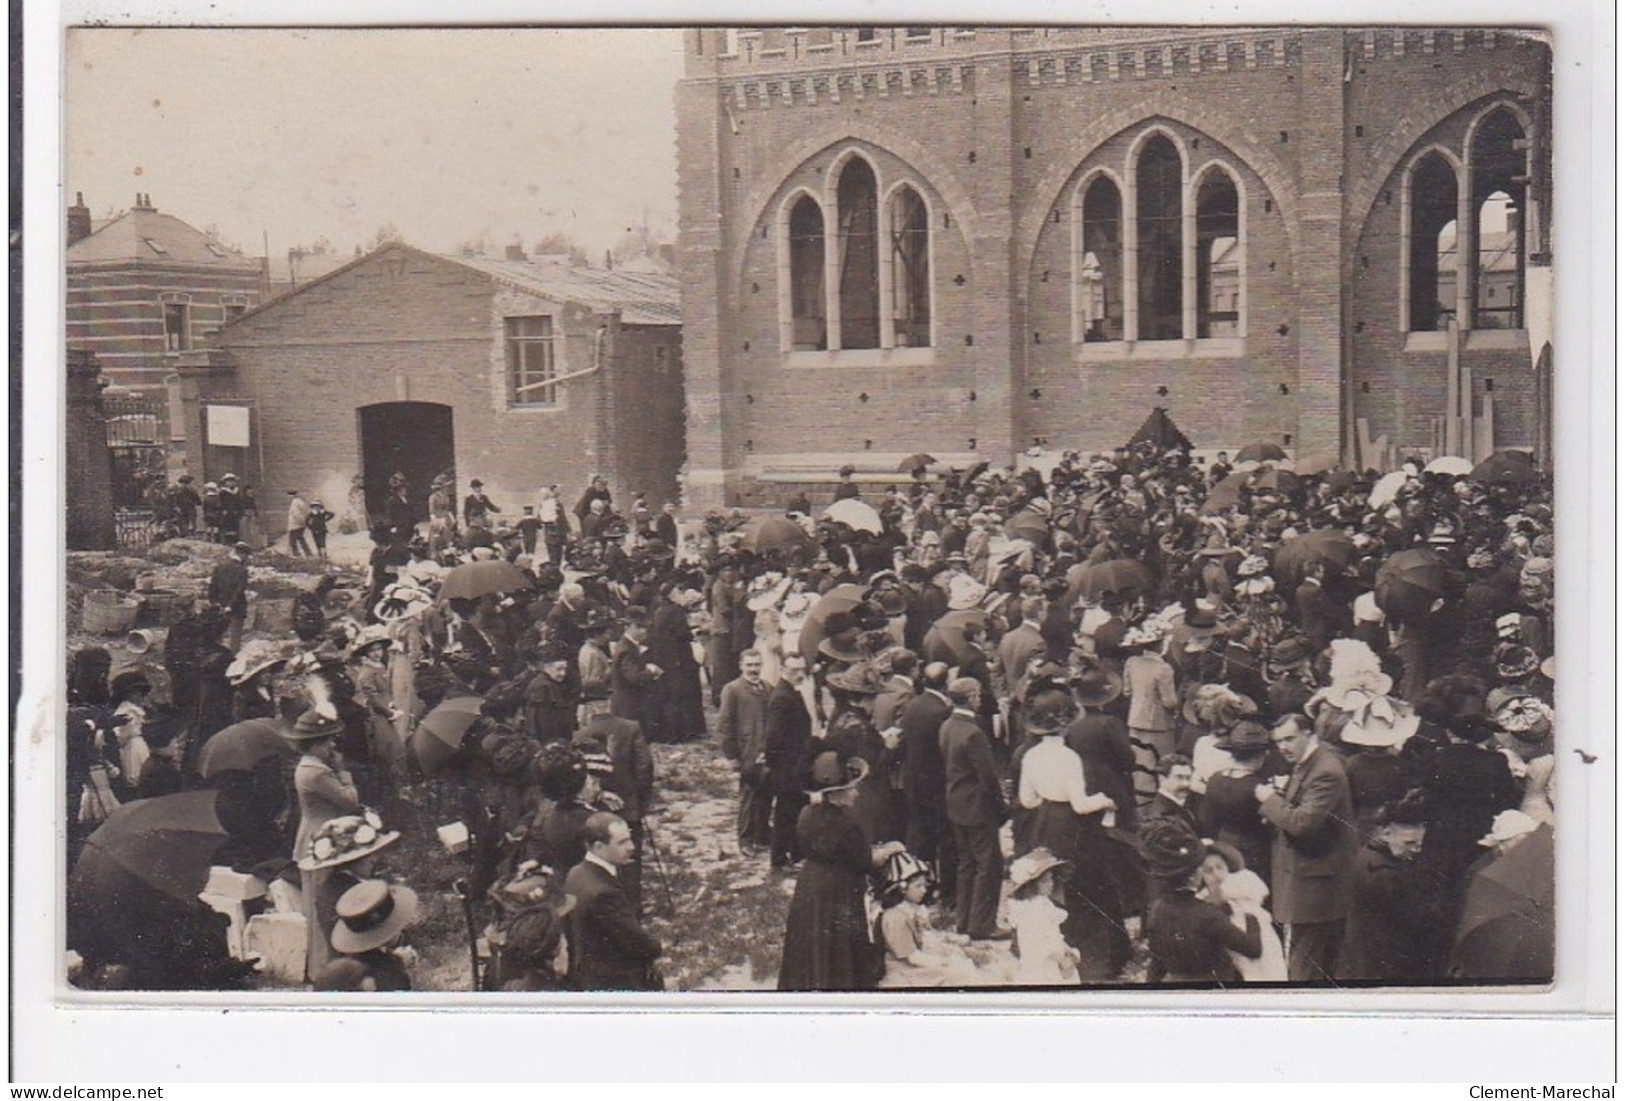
(597, 364)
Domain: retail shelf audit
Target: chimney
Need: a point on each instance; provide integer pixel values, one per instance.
(609, 260)
(78, 219)
(514, 252)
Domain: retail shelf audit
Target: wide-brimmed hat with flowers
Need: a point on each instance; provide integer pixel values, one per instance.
(346, 839)
(861, 679)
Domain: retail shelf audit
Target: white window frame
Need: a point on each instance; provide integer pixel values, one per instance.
(516, 367)
(1188, 345)
(184, 301)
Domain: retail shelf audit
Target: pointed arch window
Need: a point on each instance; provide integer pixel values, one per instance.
(910, 261)
(857, 255)
(809, 330)
(1100, 271)
(1160, 224)
(1499, 178)
(1433, 244)
(1218, 258)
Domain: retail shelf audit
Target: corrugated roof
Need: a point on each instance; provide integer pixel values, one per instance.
(149, 235)
(643, 298)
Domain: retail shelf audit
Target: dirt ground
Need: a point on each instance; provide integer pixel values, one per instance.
(719, 912)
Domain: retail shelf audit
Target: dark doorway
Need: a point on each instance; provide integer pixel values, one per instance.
(412, 437)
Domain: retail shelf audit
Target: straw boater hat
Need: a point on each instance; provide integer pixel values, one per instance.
(831, 774)
(1029, 867)
(371, 914)
(346, 839)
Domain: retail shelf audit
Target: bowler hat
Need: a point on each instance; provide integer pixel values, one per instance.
(1246, 734)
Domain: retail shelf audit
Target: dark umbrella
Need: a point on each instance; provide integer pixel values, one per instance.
(1409, 582)
(1321, 463)
(1507, 928)
(241, 746)
(1118, 575)
(1506, 467)
(765, 533)
(1282, 481)
(166, 843)
(1029, 525)
(842, 598)
(976, 472)
(473, 580)
(945, 640)
(1331, 547)
(915, 462)
(1260, 453)
(1339, 480)
(1224, 493)
(442, 730)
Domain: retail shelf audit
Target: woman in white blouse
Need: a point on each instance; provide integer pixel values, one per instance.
(1055, 810)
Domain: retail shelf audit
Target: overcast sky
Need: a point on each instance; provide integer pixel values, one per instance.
(447, 134)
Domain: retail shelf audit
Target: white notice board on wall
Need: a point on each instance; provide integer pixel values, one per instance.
(227, 425)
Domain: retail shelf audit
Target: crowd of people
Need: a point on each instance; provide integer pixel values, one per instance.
(1219, 723)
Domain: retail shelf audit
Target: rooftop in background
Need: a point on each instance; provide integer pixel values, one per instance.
(143, 234)
(642, 297)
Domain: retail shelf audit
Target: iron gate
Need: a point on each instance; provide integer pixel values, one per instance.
(137, 445)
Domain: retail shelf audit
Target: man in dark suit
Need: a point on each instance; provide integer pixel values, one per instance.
(1321, 617)
(924, 777)
(1174, 798)
(976, 808)
(787, 733)
(635, 690)
(1313, 858)
(631, 780)
(228, 589)
(609, 949)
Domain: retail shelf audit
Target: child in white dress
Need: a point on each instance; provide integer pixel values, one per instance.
(1044, 956)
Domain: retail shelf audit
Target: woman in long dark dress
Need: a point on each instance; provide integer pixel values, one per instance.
(852, 733)
(1058, 811)
(671, 646)
(827, 944)
(1228, 811)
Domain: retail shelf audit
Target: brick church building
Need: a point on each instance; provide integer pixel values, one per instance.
(969, 241)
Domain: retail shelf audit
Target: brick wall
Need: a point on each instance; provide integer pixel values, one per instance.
(996, 129)
(404, 326)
